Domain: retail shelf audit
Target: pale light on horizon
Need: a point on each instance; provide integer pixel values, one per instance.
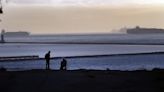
(30, 15)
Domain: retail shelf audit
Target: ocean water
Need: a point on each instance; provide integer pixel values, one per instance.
(96, 38)
(63, 50)
(134, 62)
(127, 62)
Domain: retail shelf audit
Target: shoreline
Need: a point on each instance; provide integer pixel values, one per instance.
(82, 81)
(88, 43)
(82, 56)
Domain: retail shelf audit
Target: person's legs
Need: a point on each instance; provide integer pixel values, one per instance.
(61, 67)
(48, 65)
(64, 67)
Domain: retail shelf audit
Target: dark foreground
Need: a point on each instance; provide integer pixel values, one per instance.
(82, 81)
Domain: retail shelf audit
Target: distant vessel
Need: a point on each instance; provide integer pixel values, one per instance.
(139, 30)
(16, 34)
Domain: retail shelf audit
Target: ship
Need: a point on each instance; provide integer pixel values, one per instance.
(139, 30)
(16, 34)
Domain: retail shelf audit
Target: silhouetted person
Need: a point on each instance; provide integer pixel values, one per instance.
(47, 57)
(63, 65)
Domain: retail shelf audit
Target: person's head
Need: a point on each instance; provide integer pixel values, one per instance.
(49, 51)
(64, 59)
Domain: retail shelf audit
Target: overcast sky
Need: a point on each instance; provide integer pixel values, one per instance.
(80, 16)
(85, 2)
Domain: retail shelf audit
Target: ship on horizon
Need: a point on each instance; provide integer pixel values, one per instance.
(139, 30)
(15, 34)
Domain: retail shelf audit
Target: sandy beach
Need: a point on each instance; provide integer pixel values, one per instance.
(82, 81)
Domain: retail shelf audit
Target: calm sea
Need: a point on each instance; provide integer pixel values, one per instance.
(127, 62)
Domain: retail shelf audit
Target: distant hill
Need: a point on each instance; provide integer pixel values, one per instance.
(139, 30)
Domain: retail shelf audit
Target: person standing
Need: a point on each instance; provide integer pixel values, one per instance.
(47, 57)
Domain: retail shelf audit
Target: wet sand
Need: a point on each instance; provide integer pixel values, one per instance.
(82, 81)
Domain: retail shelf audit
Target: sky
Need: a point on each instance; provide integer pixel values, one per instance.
(80, 16)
